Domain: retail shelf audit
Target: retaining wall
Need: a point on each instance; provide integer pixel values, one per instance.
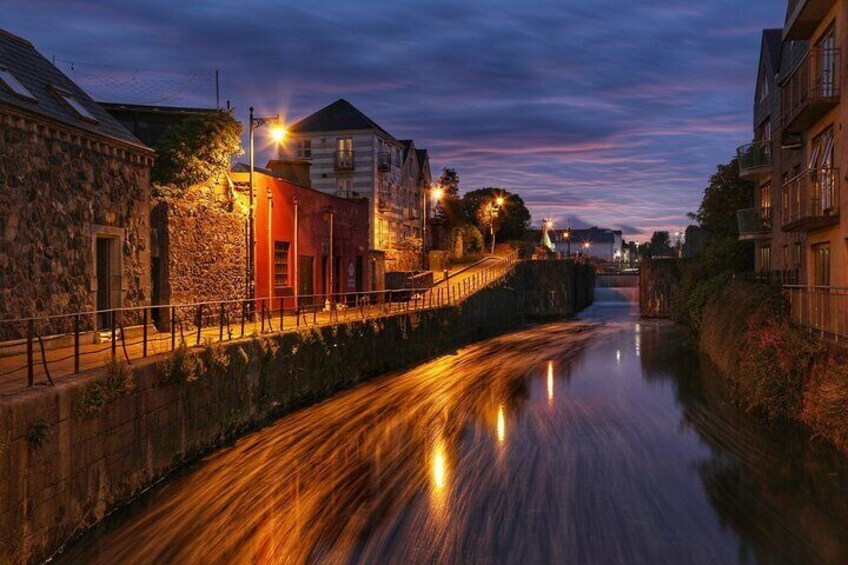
(72, 453)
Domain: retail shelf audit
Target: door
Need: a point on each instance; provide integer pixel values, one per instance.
(306, 280)
(103, 261)
(360, 271)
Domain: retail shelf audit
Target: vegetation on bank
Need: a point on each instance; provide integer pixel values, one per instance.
(776, 369)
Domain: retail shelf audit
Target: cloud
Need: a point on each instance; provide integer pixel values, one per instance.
(611, 111)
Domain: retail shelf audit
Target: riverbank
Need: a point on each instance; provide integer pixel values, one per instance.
(775, 369)
(72, 453)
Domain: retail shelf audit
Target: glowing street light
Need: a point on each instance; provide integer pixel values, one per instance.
(500, 201)
(278, 134)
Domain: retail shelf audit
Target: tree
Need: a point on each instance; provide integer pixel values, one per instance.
(724, 196)
(196, 150)
(513, 217)
(660, 244)
(449, 209)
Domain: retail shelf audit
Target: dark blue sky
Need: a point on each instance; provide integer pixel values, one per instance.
(610, 112)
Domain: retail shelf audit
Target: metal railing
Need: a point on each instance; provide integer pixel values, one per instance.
(814, 194)
(770, 278)
(38, 350)
(815, 81)
(754, 157)
(754, 221)
(343, 160)
(822, 310)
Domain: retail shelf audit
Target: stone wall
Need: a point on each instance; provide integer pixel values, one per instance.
(56, 191)
(659, 280)
(202, 245)
(70, 454)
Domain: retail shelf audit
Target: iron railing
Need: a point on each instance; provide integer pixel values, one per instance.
(823, 310)
(754, 157)
(814, 83)
(754, 221)
(812, 195)
(343, 161)
(41, 349)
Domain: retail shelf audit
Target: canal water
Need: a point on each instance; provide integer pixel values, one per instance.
(605, 440)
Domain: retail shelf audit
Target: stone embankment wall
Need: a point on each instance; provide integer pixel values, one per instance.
(659, 280)
(70, 454)
(57, 191)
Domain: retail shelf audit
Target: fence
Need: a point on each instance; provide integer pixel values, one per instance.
(821, 310)
(617, 280)
(53, 346)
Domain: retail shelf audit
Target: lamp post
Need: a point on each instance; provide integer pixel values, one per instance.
(436, 194)
(567, 235)
(496, 208)
(278, 134)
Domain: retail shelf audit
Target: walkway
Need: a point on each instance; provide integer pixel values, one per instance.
(62, 362)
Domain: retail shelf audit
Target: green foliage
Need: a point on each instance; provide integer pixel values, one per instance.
(511, 222)
(450, 208)
(215, 358)
(181, 367)
(36, 436)
(196, 150)
(688, 311)
(118, 383)
(826, 401)
(464, 240)
(725, 195)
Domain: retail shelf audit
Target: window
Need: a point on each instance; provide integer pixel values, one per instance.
(826, 64)
(13, 84)
(345, 144)
(765, 258)
(821, 264)
(344, 187)
(304, 149)
(75, 105)
(281, 264)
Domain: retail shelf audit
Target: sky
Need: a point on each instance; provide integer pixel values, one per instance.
(604, 112)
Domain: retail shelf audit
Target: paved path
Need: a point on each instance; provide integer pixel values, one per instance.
(464, 280)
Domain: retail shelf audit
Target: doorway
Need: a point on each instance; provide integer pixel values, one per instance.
(306, 278)
(103, 251)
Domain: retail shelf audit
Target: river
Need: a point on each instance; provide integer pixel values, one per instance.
(603, 440)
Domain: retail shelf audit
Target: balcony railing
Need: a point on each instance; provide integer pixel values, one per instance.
(754, 159)
(812, 200)
(804, 16)
(812, 90)
(384, 161)
(754, 223)
(823, 310)
(343, 160)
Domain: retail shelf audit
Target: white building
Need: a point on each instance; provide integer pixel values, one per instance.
(352, 156)
(593, 242)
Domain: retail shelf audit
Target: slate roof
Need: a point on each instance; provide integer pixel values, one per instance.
(341, 115)
(422, 156)
(407, 145)
(42, 79)
(773, 43)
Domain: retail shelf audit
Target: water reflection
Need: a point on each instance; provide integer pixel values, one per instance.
(653, 464)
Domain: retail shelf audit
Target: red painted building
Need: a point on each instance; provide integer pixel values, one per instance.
(330, 230)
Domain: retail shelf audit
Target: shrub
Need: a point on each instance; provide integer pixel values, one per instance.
(826, 402)
(95, 395)
(37, 434)
(180, 367)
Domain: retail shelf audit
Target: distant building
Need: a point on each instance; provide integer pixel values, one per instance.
(74, 200)
(592, 242)
(149, 123)
(352, 156)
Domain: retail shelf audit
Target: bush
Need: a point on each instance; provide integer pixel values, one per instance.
(826, 401)
(180, 367)
(118, 383)
(37, 435)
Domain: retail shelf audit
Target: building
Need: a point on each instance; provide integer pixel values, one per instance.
(352, 156)
(300, 232)
(149, 123)
(774, 162)
(74, 201)
(600, 243)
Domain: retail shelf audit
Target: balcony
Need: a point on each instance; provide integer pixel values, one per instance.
(812, 90)
(803, 17)
(384, 161)
(343, 161)
(812, 200)
(754, 160)
(754, 223)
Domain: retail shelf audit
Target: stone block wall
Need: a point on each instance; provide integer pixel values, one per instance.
(72, 453)
(54, 187)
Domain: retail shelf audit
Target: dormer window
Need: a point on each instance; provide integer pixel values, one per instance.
(75, 105)
(14, 85)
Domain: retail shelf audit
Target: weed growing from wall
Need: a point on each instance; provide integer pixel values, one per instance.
(118, 383)
(37, 434)
(181, 367)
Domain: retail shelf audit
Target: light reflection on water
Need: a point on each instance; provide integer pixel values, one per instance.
(472, 458)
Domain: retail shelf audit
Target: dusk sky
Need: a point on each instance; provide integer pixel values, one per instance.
(609, 112)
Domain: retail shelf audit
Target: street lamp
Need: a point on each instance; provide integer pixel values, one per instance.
(567, 235)
(436, 193)
(495, 208)
(278, 134)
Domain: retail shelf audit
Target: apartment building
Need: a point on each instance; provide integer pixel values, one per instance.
(797, 160)
(354, 157)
